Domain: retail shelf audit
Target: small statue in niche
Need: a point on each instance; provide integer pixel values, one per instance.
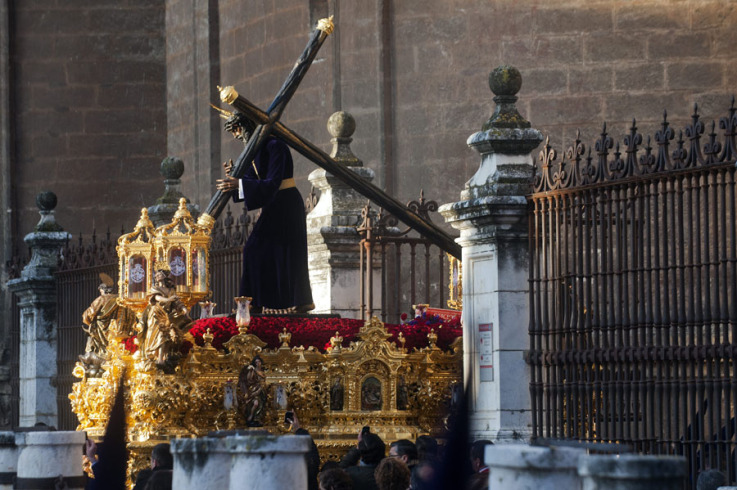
(280, 397)
(251, 385)
(162, 322)
(371, 394)
(336, 394)
(402, 396)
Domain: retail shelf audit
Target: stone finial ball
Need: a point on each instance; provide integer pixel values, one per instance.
(46, 200)
(505, 80)
(341, 125)
(172, 168)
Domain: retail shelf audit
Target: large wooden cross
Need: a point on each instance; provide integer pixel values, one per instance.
(268, 123)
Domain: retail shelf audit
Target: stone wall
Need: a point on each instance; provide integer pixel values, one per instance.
(102, 91)
(87, 111)
(414, 74)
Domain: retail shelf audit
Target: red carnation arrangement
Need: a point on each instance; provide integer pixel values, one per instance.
(316, 332)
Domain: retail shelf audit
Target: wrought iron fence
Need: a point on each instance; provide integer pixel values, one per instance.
(633, 312)
(77, 282)
(408, 268)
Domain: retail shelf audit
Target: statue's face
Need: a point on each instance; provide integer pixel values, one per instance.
(240, 133)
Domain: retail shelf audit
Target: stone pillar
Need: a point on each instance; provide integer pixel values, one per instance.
(201, 463)
(45, 458)
(332, 239)
(260, 460)
(36, 289)
(163, 211)
(8, 460)
(632, 472)
(517, 467)
(492, 219)
(268, 462)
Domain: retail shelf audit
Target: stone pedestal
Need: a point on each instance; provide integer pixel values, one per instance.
(201, 463)
(492, 219)
(47, 457)
(262, 461)
(8, 460)
(332, 240)
(632, 472)
(36, 290)
(522, 467)
(269, 462)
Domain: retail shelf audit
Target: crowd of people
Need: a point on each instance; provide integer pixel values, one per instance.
(408, 465)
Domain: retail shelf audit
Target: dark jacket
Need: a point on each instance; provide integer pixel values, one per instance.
(362, 477)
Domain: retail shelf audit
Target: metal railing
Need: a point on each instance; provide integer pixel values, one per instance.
(633, 307)
(410, 268)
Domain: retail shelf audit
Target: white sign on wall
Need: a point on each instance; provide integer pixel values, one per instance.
(486, 349)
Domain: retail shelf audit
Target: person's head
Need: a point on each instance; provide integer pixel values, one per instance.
(257, 362)
(477, 453)
(161, 457)
(404, 450)
(392, 474)
(372, 448)
(240, 126)
(710, 480)
(335, 479)
(422, 475)
(427, 448)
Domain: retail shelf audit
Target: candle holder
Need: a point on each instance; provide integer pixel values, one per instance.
(206, 309)
(243, 313)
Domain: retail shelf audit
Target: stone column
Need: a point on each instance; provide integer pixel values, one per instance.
(36, 289)
(45, 458)
(268, 462)
(514, 466)
(8, 460)
(492, 219)
(332, 239)
(166, 206)
(201, 463)
(632, 472)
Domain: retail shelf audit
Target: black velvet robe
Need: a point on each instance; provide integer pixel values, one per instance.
(275, 255)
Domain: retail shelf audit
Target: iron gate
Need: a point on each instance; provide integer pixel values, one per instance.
(633, 311)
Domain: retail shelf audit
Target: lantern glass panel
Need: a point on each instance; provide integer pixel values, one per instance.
(199, 270)
(178, 266)
(137, 272)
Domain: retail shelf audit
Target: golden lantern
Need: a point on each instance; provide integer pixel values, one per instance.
(136, 261)
(181, 245)
(184, 246)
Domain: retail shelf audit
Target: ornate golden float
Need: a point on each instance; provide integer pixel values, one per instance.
(373, 382)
